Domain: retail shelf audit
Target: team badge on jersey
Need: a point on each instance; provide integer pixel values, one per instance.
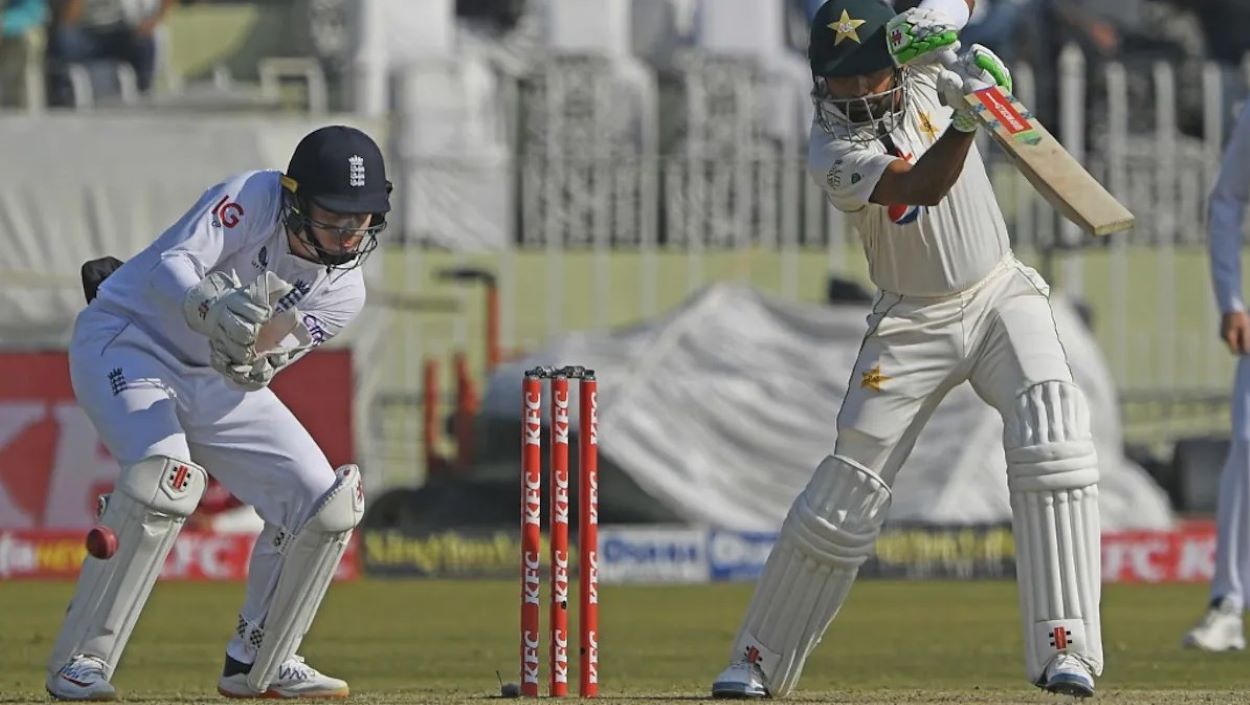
(873, 379)
(902, 215)
(262, 258)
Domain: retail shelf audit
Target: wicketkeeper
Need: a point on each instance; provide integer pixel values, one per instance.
(171, 361)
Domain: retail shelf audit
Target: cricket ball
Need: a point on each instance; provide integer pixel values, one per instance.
(101, 542)
(509, 690)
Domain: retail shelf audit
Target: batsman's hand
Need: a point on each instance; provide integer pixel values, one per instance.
(977, 69)
(918, 36)
(1235, 330)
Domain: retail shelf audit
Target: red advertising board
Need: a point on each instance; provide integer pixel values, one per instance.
(1185, 554)
(196, 555)
(52, 465)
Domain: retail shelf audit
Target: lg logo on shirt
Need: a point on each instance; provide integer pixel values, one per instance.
(227, 213)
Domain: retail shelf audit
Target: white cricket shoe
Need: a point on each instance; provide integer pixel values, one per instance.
(82, 678)
(742, 679)
(295, 679)
(1068, 675)
(1218, 630)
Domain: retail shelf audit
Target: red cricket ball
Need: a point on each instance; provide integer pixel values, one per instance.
(101, 542)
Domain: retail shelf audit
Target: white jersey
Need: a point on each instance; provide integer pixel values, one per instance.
(1227, 217)
(914, 250)
(234, 227)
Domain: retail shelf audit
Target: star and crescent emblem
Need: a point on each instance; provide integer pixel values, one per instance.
(845, 27)
(927, 126)
(872, 379)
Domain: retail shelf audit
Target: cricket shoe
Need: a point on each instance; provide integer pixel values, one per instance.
(295, 679)
(742, 679)
(1218, 630)
(1068, 675)
(82, 678)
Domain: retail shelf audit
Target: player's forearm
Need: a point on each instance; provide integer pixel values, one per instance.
(926, 182)
(173, 277)
(1224, 247)
(958, 11)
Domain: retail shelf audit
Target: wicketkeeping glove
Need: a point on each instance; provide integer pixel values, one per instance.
(231, 316)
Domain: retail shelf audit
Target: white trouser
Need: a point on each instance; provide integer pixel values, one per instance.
(999, 335)
(1232, 548)
(144, 402)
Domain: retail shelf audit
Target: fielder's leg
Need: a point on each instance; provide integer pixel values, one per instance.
(266, 458)
(146, 510)
(1220, 628)
(310, 557)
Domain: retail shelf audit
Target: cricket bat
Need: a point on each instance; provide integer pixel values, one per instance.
(1061, 180)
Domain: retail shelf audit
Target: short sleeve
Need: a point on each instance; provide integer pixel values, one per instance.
(846, 171)
(333, 311)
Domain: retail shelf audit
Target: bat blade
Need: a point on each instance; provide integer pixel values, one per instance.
(1056, 175)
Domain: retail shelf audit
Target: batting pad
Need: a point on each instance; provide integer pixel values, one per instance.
(1052, 474)
(146, 510)
(307, 567)
(828, 534)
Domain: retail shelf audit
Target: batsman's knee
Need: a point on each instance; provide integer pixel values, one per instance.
(837, 517)
(1046, 436)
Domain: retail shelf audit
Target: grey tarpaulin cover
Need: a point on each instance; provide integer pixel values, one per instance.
(721, 410)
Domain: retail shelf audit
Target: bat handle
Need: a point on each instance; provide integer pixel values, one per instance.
(947, 57)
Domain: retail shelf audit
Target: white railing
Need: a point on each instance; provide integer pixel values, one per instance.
(612, 229)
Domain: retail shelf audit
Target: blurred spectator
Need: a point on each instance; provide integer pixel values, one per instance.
(21, 47)
(84, 31)
(500, 15)
(808, 7)
(1225, 24)
(1005, 26)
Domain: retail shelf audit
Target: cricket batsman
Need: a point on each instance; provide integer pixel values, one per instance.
(171, 361)
(1220, 628)
(892, 145)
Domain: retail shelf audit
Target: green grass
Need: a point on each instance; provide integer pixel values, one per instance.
(412, 641)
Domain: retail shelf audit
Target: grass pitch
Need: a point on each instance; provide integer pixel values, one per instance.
(441, 642)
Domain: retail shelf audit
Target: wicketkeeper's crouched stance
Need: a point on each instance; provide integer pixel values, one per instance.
(171, 361)
(954, 305)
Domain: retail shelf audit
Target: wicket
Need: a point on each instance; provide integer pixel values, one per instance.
(558, 511)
